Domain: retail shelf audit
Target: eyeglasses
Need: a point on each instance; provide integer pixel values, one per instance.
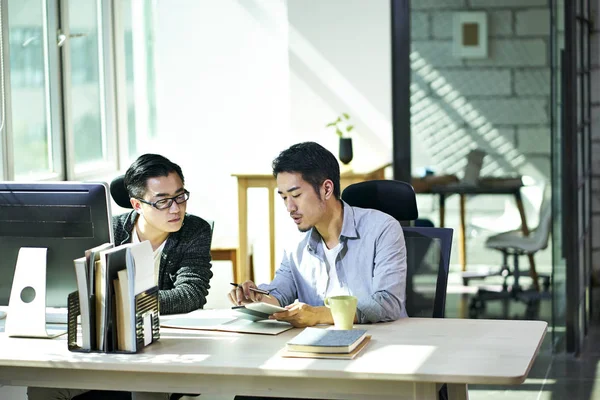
(164, 204)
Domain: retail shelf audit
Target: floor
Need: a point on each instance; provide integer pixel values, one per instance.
(555, 377)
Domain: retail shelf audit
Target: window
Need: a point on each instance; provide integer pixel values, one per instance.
(71, 103)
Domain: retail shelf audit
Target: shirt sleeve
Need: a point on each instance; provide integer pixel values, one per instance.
(283, 287)
(387, 302)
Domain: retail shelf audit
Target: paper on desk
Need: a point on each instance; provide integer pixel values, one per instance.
(227, 324)
(195, 323)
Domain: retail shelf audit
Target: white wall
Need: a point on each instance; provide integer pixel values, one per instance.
(340, 61)
(223, 98)
(227, 89)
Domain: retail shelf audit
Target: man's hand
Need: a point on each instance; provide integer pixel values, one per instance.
(242, 294)
(301, 315)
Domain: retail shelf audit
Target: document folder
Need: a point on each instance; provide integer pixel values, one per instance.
(147, 326)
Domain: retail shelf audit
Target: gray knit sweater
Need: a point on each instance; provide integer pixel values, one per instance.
(184, 272)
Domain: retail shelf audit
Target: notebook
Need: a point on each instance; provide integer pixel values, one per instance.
(317, 340)
(228, 324)
(333, 356)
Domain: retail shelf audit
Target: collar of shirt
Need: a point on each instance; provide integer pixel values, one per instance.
(136, 239)
(349, 231)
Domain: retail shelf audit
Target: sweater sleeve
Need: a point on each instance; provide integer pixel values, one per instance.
(192, 274)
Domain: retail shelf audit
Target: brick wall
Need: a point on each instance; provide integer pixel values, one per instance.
(500, 103)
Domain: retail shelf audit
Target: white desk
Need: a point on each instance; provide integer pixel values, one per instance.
(405, 360)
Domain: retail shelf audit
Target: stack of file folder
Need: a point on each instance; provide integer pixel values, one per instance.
(116, 299)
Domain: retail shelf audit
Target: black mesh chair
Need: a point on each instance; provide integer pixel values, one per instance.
(428, 249)
(423, 244)
(119, 193)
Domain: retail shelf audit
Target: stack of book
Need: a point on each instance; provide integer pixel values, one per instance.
(108, 280)
(327, 343)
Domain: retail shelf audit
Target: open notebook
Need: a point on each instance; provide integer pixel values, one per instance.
(223, 320)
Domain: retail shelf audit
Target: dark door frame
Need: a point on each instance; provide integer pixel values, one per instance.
(400, 32)
(576, 168)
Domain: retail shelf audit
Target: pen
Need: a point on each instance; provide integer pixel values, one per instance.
(257, 290)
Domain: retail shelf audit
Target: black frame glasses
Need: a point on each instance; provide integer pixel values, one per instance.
(166, 203)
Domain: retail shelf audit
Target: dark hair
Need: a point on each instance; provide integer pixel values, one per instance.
(145, 167)
(314, 162)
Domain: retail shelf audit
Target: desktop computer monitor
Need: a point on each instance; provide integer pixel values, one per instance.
(66, 218)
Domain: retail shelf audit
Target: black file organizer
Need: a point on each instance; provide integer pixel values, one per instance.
(145, 302)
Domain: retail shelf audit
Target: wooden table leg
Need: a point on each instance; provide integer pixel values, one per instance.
(235, 266)
(442, 210)
(271, 190)
(242, 263)
(226, 254)
(462, 245)
(525, 229)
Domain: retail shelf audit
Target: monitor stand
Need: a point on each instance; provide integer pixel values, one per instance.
(26, 315)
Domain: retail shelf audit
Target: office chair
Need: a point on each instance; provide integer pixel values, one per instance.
(427, 247)
(119, 193)
(398, 199)
(515, 244)
(424, 245)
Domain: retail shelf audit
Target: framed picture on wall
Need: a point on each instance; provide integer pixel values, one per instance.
(470, 36)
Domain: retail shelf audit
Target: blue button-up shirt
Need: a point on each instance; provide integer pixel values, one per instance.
(371, 266)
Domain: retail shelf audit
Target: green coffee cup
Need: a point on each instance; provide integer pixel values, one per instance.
(343, 310)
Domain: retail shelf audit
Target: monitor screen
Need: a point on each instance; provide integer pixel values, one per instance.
(67, 218)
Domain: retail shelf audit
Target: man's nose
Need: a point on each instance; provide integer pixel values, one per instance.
(174, 207)
(291, 206)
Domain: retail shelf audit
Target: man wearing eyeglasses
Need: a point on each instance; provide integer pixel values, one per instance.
(181, 242)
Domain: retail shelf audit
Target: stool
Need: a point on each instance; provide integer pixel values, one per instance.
(230, 254)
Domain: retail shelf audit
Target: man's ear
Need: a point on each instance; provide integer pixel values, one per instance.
(328, 188)
(137, 205)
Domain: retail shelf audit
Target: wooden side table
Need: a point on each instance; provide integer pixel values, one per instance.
(230, 254)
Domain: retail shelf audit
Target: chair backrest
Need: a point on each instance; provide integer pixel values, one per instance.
(541, 234)
(398, 199)
(395, 198)
(119, 193)
(428, 250)
(473, 167)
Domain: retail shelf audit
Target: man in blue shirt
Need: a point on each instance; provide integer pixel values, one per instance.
(346, 250)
